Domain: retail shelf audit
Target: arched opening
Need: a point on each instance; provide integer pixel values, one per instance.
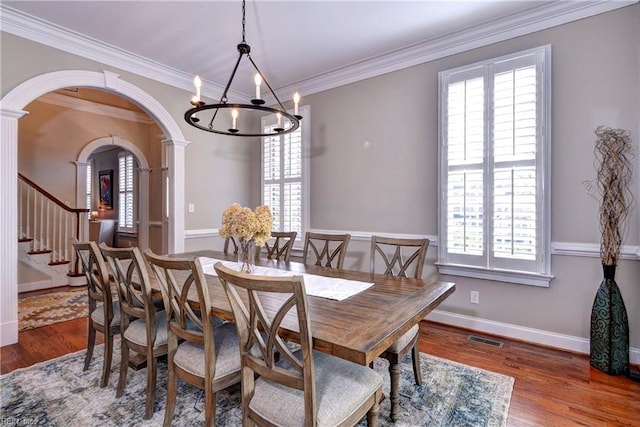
(13, 104)
(142, 180)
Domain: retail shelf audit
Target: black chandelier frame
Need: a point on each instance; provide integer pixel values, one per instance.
(191, 115)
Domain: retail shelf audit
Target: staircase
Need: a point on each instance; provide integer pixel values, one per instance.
(46, 230)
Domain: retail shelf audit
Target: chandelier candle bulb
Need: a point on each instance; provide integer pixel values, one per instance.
(258, 81)
(296, 101)
(197, 83)
(234, 115)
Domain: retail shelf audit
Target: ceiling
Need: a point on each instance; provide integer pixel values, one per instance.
(302, 45)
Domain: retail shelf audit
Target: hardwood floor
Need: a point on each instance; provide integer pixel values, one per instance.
(552, 387)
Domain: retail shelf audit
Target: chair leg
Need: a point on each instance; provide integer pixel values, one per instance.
(372, 415)
(124, 368)
(417, 373)
(209, 405)
(152, 371)
(394, 372)
(91, 342)
(108, 352)
(172, 388)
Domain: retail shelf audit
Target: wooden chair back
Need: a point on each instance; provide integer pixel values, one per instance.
(325, 250)
(133, 285)
(280, 249)
(262, 349)
(97, 274)
(177, 278)
(400, 256)
(230, 246)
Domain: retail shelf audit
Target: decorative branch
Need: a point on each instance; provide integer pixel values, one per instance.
(613, 152)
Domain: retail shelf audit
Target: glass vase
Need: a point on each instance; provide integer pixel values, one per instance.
(246, 255)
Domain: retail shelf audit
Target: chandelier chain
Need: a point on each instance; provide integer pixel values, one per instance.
(244, 21)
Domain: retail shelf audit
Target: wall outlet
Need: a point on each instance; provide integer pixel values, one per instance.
(475, 297)
(192, 208)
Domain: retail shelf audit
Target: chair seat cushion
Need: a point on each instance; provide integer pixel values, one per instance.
(341, 388)
(402, 342)
(190, 356)
(137, 330)
(98, 314)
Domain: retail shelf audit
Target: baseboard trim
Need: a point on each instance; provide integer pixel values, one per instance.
(9, 333)
(535, 336)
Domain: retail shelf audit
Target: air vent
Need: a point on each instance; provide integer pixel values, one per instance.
(487, 341)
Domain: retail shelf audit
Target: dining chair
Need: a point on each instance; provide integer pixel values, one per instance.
(142, 326)
(326, 250)
(280, 248)
(104, 310)
(402, 258)
(199, 353)
(230, 246)
(282, 385)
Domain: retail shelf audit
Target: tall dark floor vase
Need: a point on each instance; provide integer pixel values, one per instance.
(609, 327)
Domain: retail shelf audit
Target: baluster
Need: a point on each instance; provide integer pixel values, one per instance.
(66, 237)
(43, 238)
(28, 214)
(20, 190)
(53, 233)
(48, 232)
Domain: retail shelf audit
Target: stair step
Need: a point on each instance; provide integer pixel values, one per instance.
(59, 262)
(25, 239)
(44, 251)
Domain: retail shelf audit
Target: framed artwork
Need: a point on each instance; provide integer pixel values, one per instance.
(105, 181)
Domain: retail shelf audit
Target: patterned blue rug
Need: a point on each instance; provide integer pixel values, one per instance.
(58, 393)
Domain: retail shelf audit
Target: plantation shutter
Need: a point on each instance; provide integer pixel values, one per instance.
(88, 190)
(282, 188)
(494, 211)
(125, 189)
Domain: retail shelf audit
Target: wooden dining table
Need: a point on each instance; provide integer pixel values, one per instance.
(359, 328)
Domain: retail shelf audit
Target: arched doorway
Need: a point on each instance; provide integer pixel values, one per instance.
(143, 180)
(10, 113)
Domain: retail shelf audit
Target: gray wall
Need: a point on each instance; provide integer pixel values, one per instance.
(391, 186)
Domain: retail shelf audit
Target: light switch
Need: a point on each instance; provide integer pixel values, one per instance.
(192, 208)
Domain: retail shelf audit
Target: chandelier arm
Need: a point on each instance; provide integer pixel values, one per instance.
(223, 99)
(267, 83)
(213, 118)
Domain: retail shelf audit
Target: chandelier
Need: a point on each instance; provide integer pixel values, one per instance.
(203, 116)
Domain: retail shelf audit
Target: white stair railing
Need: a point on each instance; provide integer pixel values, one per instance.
(49, 224)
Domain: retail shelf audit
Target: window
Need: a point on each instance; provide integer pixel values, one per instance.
(88, 193)
(285, 175)
(126, 213)
(494, 169)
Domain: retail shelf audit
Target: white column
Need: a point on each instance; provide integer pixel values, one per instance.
(175, 159)
(143, 208)
(9, 226)
(81, 186)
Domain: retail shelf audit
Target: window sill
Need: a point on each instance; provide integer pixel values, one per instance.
(509, 276)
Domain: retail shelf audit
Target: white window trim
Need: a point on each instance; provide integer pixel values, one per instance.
(305, 129)
(543, 159)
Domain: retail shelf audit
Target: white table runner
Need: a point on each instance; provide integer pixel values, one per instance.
(319, 286)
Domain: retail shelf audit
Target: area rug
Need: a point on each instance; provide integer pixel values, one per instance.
(59, 393)
(55, 307)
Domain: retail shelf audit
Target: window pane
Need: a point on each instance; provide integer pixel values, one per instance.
(465, 227)
(465, 130)
(515, 213)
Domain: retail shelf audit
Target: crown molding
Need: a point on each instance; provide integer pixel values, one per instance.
(546, 15)
(94, 107)
(27, 26)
